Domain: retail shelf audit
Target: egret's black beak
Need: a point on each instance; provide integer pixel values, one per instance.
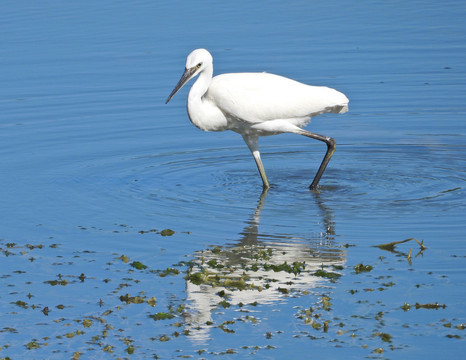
(188, 73)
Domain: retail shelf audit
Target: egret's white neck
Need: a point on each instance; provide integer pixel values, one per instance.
(201, 85)
(199, 111)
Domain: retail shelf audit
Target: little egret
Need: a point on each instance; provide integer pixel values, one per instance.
(256, 104)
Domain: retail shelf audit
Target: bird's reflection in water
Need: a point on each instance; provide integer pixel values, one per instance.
(258, 269)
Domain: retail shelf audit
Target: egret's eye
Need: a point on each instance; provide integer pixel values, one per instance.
(198, 65)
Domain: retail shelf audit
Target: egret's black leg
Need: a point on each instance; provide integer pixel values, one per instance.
(331, 144)
(251, 141)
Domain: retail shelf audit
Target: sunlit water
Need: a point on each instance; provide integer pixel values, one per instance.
(95, 166)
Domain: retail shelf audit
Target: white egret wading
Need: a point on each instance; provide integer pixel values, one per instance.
(256, 104)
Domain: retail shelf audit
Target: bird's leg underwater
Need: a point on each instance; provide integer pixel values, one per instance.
(251, 141)
(331, 144)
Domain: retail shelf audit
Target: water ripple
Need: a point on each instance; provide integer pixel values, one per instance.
(223, 182)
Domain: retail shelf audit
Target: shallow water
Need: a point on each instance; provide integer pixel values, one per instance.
(95, 166)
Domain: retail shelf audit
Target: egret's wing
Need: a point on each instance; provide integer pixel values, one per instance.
(258, 97)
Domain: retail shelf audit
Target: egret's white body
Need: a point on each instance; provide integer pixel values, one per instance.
(256, 104)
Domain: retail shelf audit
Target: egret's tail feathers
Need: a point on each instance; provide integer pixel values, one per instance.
(341, 109)
(337, 109)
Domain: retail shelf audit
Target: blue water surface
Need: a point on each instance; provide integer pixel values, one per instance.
(95, 166)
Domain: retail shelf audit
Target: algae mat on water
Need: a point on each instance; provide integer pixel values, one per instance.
(249, 299)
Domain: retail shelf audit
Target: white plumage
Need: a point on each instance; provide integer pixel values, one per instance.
(259, 97)
(256, 104)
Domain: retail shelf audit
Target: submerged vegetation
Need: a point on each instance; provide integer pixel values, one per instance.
(237, 283)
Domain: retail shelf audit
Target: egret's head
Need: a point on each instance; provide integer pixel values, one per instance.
(197, 61)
